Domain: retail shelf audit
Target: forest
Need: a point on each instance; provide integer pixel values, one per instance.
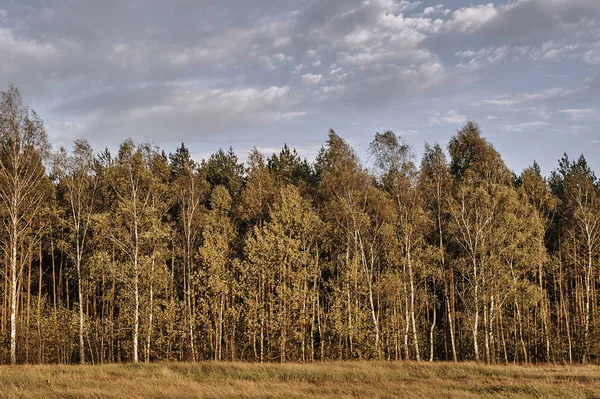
(144, 255)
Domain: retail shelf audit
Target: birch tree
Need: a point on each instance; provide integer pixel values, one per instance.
(24, 188)
(217, 260)
(286, 245)
(80, 185)
(435, 182)
(479, 173)
(132, 185)
(191, 190)
(400, 178)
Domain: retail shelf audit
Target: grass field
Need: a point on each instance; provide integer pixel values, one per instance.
(317, 380)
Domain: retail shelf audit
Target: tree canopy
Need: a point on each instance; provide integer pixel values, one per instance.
(146, 256)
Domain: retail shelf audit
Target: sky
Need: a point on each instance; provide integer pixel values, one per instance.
(262, 73)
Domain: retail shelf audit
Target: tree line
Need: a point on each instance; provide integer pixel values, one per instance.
(146, 256)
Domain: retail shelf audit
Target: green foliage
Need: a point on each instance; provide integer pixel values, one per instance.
(224, 169)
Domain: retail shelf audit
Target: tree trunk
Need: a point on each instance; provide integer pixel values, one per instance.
(39, 305)
(80, 298)
(412, 307)
(151, 313)
(13, 293)
(136, 321)
(431, 331)
(476, 310)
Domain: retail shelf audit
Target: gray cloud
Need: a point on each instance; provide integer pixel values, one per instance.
(525, 21)
(265, 72)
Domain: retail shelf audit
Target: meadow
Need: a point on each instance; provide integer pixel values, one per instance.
(293, 380)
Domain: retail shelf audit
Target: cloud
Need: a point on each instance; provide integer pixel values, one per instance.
(581, 114)
(482, 57)
(147, 113)
(437, 9)
(328, 92)
(311, 78)
(549, 51)
(108, 70)
(12, 46)
(24, 58)
(449, 118)
(375, 43)
(525, 21)
(515, 101)
(465, 53)
(520, 127)
(592, 57)
(470, 19)
(555, 51)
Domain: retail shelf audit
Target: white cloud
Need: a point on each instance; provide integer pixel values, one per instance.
(311, 79)
(375, 46)
(553, 51)
(438, 9)
(234, 101)
(581, 114)
(525, 19)
(449, 118)
(429, 10)
(299, 68)
(519, 99)
(359, 37)
(465, 53)
(328, 92)
(279, 57)
(592, 57)
(520, 127)
(188, 111)
(469, 19)
(19, 49)
(482, 57)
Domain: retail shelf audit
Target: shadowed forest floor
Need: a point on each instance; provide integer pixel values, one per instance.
(316, 380)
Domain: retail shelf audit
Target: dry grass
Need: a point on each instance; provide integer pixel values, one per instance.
(317, 380)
